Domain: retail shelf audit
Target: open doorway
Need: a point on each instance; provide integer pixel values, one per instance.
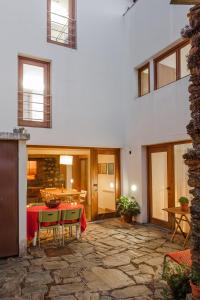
(94, 171)
(59, 170)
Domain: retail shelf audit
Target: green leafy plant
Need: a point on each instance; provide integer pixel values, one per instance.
(178, 279)
(183, 200)
(127, 206)
(195, 278)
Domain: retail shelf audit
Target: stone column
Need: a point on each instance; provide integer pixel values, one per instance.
(192, 158)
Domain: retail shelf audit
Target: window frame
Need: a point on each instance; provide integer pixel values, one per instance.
(47, 98)
(140, 70)
(72, 15)
(177, 50)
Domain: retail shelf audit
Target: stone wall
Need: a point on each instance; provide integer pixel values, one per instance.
(49, 173)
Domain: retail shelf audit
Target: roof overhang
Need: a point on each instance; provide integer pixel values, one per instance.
(185, 2)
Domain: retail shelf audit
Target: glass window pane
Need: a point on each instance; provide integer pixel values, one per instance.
(60, 20)
(184, 53)
(33, 93)
(159, 185)
(144, 81)
(106, 184)
(166, 70)
(181, 176)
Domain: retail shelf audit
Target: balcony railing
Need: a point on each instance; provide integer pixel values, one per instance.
(34, 108)
(61, 29)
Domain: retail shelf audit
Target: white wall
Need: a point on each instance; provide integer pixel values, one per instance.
(22, 153)
(87, 99)
(162, 115)
(94, 88)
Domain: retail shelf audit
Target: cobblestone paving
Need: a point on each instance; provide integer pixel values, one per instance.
(112, 261)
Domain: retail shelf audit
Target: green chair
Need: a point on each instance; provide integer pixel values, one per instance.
(49, 221)
(70, 218)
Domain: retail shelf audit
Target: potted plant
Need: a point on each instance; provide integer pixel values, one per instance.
(178, 279)
(195, 284)
(127, 208)
(184, 203)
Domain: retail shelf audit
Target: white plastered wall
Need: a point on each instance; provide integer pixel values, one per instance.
(22, 179)
(162, 115)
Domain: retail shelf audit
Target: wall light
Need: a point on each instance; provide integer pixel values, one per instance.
(71, 180)
(134, 188)
(66, 160)
(112, 185)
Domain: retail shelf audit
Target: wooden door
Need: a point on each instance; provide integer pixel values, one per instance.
(105, 182)
(9, 239)
(160, 183)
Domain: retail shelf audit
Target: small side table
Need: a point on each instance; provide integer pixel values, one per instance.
(179, 216)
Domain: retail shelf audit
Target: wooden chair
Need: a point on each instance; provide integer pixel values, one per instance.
(45, 195)
(180, 257)
(70, 218)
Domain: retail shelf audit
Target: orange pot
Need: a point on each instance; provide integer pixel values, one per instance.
(184, 207)
(126, 219)
(195, 291)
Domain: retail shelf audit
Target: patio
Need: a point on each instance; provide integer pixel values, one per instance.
(113, 261)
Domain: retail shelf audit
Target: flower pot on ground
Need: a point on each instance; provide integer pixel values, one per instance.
(195, 284)
(195, 291)
(184, 202)
(127, 208)
(178, 277)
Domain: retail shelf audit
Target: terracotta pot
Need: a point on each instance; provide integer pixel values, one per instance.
(126, 219)
(195, 291)
(122, 219)
(184, 206)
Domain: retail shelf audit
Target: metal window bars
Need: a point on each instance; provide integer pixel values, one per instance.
(34, 107)
(62, 29)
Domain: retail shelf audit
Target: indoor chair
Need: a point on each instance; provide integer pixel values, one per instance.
(70, 218)
(49, 221)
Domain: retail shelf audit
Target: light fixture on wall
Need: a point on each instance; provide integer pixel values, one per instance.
(134, 188)
(71, 180)
(112, 185)
(66, 160)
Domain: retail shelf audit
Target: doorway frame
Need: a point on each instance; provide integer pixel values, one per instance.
(93, 169)
(94, 179)
(171, 179)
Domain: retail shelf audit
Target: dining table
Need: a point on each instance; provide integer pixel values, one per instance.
(33, 217)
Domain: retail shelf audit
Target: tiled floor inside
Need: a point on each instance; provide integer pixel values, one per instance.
(112, 261)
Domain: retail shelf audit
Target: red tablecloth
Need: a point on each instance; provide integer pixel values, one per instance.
(33, 214)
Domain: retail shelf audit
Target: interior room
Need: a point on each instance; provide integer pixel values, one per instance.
(63, 173)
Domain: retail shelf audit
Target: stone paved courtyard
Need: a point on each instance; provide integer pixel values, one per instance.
(112, 261)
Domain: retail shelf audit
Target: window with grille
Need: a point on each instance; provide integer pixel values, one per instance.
(34, 105)
(62, 22)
